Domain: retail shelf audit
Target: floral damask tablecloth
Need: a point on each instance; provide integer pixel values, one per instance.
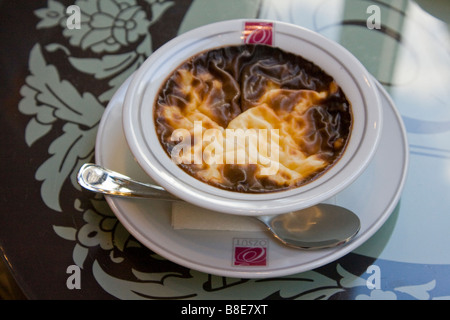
(58, 78)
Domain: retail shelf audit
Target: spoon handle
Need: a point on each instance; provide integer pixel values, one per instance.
(98, 179)
(323, 226)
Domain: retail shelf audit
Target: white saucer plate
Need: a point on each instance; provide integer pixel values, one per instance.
(373, 197)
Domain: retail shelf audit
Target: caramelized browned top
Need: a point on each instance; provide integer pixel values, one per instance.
(254, 87)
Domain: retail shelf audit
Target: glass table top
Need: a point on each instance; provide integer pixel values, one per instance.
(58, 77)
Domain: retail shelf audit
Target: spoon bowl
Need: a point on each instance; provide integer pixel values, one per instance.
(318, 227)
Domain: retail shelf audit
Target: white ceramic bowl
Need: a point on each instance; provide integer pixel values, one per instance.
(348, 72)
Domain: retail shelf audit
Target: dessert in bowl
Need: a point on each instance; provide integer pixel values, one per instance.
(252, 118)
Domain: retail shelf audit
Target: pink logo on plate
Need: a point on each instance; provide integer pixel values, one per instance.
(258, 33)
(250, 252)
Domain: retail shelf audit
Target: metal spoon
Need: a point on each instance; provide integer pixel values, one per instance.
(317, 227)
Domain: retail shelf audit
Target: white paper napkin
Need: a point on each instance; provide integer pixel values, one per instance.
(189, 216)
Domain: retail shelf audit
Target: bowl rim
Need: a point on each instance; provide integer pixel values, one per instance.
(150, 155)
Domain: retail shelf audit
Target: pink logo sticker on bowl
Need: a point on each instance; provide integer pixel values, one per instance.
(258, 33)
(250, 252)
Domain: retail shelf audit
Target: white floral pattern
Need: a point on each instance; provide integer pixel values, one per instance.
(108, 25)
(117, 31)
